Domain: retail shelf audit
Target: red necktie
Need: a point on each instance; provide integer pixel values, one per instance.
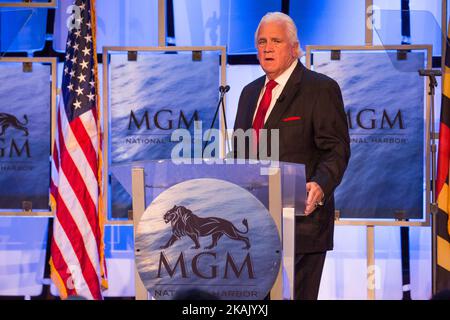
(264, 105)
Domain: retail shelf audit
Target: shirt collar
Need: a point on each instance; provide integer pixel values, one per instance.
(283, 78)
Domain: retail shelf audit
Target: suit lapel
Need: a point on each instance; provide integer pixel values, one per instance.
(290, 91)
(253, 101)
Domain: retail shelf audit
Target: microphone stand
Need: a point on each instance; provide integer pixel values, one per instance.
(432, 74)
(223, 90)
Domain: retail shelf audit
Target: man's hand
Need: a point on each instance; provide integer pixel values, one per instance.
(315, 197)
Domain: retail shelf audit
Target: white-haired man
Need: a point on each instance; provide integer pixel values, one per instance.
(307, 109)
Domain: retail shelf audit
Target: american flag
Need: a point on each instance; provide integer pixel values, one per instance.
(77, 258)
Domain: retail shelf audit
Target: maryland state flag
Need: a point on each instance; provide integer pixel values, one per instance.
(442, 184)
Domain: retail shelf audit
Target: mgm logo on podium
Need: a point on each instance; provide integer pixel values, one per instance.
(210, 235)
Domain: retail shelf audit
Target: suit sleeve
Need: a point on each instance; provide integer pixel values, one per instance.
(331, 138)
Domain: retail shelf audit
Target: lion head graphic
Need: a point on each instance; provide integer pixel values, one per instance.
(185, 223)
(8, 120)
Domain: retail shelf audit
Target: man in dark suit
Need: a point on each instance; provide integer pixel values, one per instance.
(307, 109)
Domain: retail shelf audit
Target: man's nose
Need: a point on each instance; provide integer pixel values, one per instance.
(268, 48)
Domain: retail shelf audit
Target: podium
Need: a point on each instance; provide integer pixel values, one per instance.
(257, 249)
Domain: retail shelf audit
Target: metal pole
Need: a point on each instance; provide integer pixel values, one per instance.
(433, 254)
(368, 14)
(444, 33)
(434, 208)
(433, 193)
(161, 23)
(431, 75)
(138, 192)
(371, 274)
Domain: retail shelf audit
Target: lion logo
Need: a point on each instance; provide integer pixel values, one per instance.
(185, 223)
(8, 120)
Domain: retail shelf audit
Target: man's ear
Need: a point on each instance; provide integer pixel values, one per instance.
(296, 51)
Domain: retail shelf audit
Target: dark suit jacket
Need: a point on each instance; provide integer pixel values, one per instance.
(319, 139)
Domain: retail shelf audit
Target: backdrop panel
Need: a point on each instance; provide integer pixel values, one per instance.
(384, 102)
(119, 23)
(152, 97)
(25, 135)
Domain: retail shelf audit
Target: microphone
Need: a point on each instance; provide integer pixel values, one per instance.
(223, 90)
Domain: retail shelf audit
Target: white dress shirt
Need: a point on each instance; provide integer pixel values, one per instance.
(281, 82)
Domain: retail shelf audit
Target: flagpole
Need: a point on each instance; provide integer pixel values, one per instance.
(433, 189)
(432, 82)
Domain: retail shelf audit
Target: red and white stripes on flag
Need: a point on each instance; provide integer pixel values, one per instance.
(77, 258)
